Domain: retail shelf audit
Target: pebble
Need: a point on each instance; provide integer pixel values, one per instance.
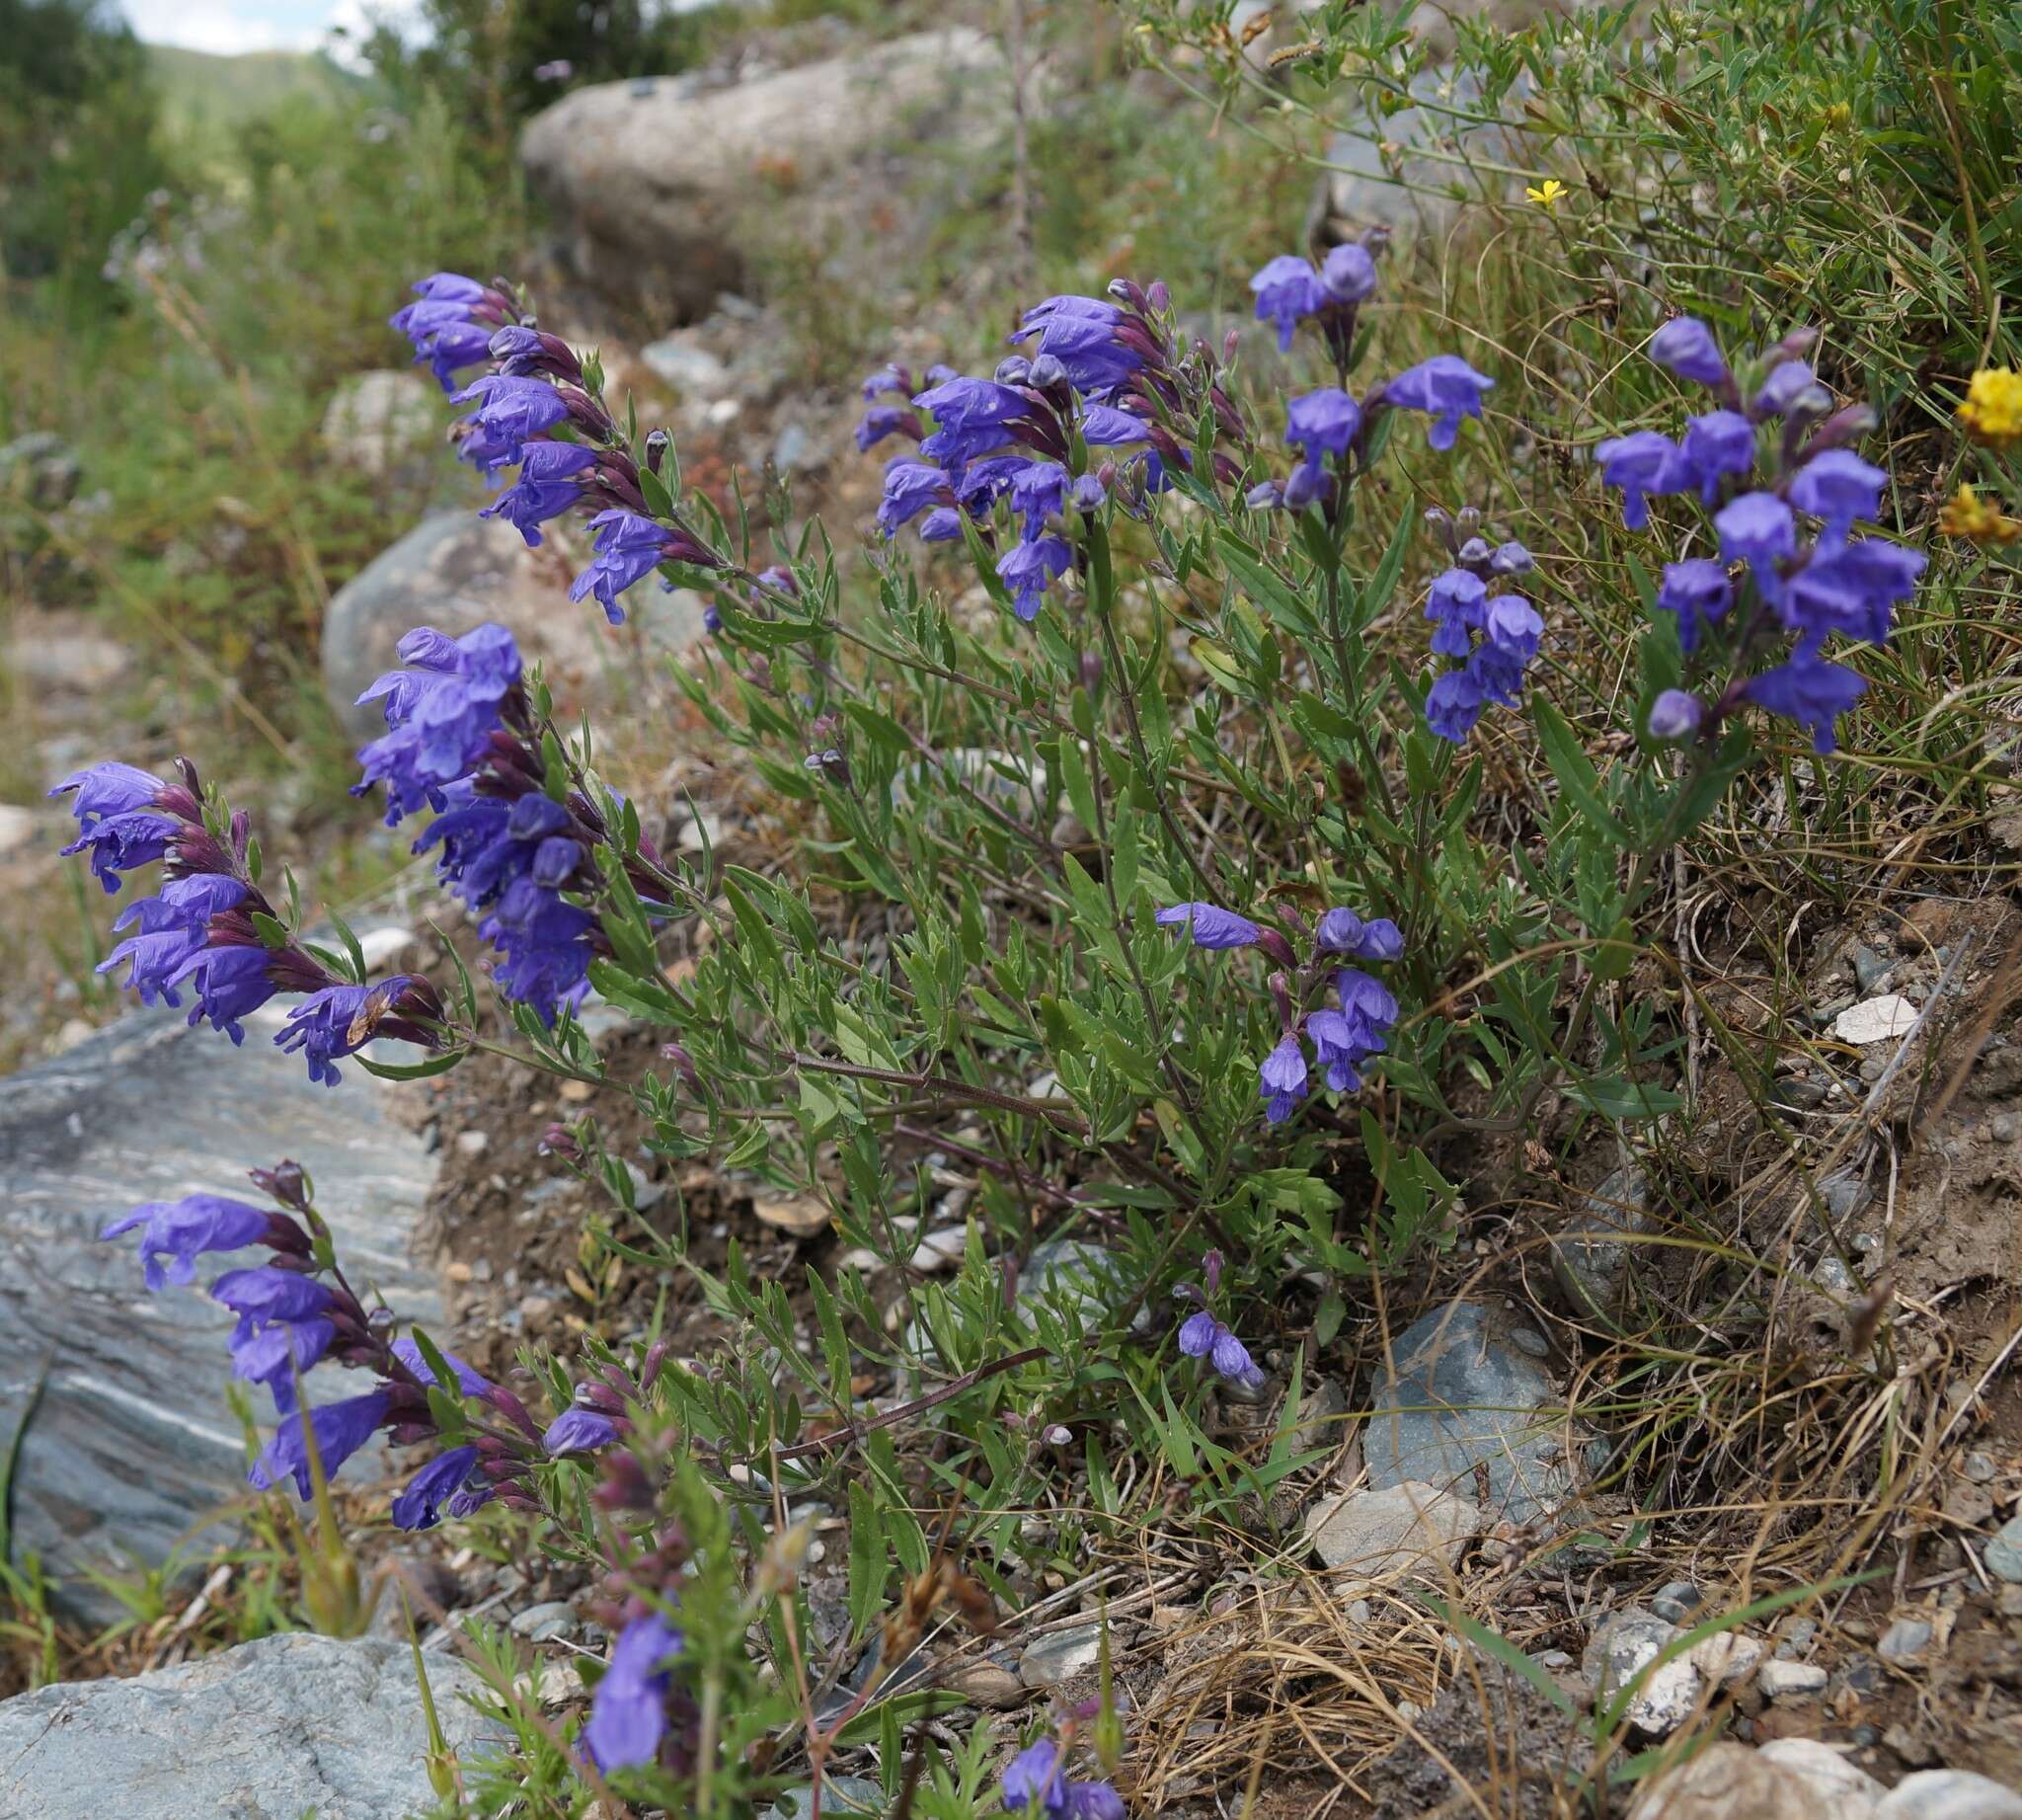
(940, 1250)
(1949, 1794)
(1978, 1468)
(2004, 1551)
(1321, 1423)
(1623, 1649)
(1727, 1657)
(1386, 1534)
(1870, 971)
(1825, 1769)
(1060, 1656)
(1781, 1680)
(1676, 1601)
(1529, 1339)
(472, 1143)
(542, 1624)
(1905, 1637)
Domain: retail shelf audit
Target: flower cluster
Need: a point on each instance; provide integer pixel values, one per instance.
(1329, 427)
(210, 931)
(536, 409)
(1493, 635)
(1098, 380)
(295, 1311)
(1991, 411)
(1203, 1336)
(1771, 466)
(1342, 1037)
(461, 741)
(1036, 1783)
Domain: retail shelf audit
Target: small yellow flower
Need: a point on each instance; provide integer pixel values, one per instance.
(1974, 520)
(1547, 194)
(1993, 410)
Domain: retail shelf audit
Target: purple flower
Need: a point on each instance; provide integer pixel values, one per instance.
(1685, 346)
(181, 1231)
(1512, 625)
(263, 1292)
(510, 411)
(232, 981)
(972, 417)
(1027, 568)
(1211, 925)
(1107, 427)
(941, 526)
(1454, 705)
(469, 1380)
(1282, 1079)
(628, 1716)
(882, 421)
(1810, 691)
(1349, 274)
(440, 714)
(1368, 1006)
(546, 948)
(523, 352)
(546, 487)
(173, 926)
(449, 327)
(1783, 390)
(1849, 588)
(1088, 338)
(276, 1353)
(1454, 605)
(1202, 1336)
(1511, 558)
(1756, 528)
(339, 1021)
(1718, 444)
(1036, 1775)
(1838, 486)
(1288, 289)
(579, 1431)
(1642, 463)
(1675, 716)
(420, 1506)
(1446, 389)
(1039, 491)
(113, 805)
(1697, 591)
(1322, 423)
(340, 1429)
(911, 488)
(629, 548)
(1341, 931)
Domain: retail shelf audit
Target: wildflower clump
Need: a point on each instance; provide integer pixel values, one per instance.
(1992, 409)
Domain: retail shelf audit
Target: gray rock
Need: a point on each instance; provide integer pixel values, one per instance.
(1949, 1794)
(2003, 1555)
(1870, 970)
(1060, 1656)
(272, 1730)
(650, 182)
(129, 1450)
(75, 663)
(1623, 1648)
(1378, 1536)
(378, 422)
(1404, 188)
(42, 469)
(1676, 1601)
(1781, 1680)
(1589, 1257)
(840, 1794)
(1458, 1399)
(1323, 1417)
(543, 1622)
(1850, 1788)
(19, 827)
(691, 368)
(1904, 1639)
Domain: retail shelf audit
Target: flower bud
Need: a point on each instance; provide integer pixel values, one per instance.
(1262, 497)
(1013, 369)
(1091, 672)
(286, 1183)
(1046, 372)
(656, 445)
(1158, 299)
(559, 1141)
(682, 1062)
(1675, 716)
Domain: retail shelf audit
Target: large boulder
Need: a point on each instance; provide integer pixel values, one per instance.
(455, 571)
(131, 1451)
(272, 1730)
(649, 183)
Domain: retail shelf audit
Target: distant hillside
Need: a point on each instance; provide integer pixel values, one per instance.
(203, 94)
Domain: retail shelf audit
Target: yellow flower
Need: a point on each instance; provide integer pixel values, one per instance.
(1993, 410)
(1547, 196)
(1966, 516)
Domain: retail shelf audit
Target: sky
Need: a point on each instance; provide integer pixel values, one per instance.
(229, 26)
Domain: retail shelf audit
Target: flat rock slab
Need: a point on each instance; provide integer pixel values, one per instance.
(1460, 1399)
(272, 1730)
(131, 1448)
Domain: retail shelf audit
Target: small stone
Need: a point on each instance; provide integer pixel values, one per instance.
(1529, 1339)
(1729, 1782)
(1676, 1601)
(1842, 1193)
(2004, 1551)
(1623, 1649)
(1321, 1417)
(646, 1192)
(1949, 1794)
(1727, 1658)
(1916, 1752)
(1790, 1680)
(986, 1682)
(1846, 1784)
(686, 366)
(1796, 1639)
(940, 1250)
(803, 1216)
(1388, 1533)
(1904, 1638)
(560, 1685)
(1870, 970)
(472, 1143)
(1875, 1020)
(1978, 1468)
(1060, 1656)
(542, 1624)
(1591, 1256)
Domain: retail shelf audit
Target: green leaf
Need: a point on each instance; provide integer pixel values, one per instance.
(870, 1560)
(1576, 777)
